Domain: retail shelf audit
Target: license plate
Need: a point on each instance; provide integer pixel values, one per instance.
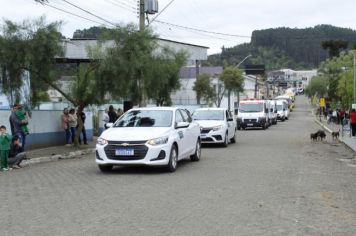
(124, 152)
(249, 124)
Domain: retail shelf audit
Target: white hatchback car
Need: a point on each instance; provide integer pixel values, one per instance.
(217, 125)
(159, 136)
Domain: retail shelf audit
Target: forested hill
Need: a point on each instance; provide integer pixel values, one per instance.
(286, 47)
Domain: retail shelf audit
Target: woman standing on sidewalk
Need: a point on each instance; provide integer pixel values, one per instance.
(65, 126)
(73, 122)
(353, 122)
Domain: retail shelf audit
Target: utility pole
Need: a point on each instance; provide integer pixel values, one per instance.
(142, 15)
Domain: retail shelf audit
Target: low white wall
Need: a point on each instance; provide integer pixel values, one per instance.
(45, 127)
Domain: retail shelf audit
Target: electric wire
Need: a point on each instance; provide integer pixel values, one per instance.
(161, 11)
(88, 12)
(126, 4)
(121, 6)
(200, 30)
(71, 13)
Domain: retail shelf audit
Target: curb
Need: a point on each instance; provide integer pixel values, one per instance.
(71, 155)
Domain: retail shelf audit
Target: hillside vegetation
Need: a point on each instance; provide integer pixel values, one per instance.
(285, 47)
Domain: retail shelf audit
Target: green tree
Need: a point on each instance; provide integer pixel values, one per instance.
(318, 87)
(204, 90)
(334, 46)
(345, 89)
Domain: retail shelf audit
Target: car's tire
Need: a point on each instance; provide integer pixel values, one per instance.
(105, 168)
(197, 153)
(283, 119)
(173, 159)
(226, 140)
(233, 139)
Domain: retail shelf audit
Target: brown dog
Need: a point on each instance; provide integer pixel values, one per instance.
(335, 134)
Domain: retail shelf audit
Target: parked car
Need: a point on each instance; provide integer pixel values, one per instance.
(149, 136)
(272, 111)
(282, 110)
(253, 113)
(217, 125)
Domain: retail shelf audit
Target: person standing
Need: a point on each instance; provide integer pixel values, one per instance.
(73, 122)
(106, 118)
(17, 125)
(82, 116)
(65, 125)
(13, 110)
(112, 114)
(5, 141)
(353, 122)
(15, 155)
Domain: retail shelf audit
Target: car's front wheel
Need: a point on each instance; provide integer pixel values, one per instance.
(173, 159)
(105, 168)
(197, 153)
(233, 139)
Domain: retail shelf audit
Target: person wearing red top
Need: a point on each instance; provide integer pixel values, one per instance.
(353, 122)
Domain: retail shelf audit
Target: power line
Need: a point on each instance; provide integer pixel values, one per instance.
(161, 12)
(70, 13)
(121, 6)
(88, 12)
(126, 4)
(204, 31)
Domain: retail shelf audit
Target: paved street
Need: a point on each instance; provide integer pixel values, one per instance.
(273, 182)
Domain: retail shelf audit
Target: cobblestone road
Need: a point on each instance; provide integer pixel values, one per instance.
(273, 182)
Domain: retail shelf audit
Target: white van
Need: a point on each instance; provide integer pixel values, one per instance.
(272, 111)
(252, 113)
(282, 110)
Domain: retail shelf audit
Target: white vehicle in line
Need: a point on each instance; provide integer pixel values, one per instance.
(282, 110)
(272, 111)
(149, 136)
(252, 113)
(217, 125)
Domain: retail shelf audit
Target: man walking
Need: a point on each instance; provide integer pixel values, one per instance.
(353, 122)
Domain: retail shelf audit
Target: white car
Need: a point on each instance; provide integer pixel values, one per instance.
(216, 124)
(149, 136)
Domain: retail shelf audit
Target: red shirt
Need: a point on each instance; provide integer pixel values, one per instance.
(353, 117)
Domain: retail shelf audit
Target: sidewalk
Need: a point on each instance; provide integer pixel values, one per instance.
(346, 139)
(56, 153)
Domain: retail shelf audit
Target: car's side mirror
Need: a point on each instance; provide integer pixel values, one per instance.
(271, 109)
(284, 109)
(266, 111)
(230, 119)
(181, 125)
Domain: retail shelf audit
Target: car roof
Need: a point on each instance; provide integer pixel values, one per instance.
(154, 109)
(211, 109)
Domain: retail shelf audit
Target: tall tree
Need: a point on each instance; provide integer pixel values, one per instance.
(203, 88)
(334, 46)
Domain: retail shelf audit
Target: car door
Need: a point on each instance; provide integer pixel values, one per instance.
(230, 124)
(191, 133)
(181, 135)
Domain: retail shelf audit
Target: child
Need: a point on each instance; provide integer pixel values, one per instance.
(21, 114)
(5, 141)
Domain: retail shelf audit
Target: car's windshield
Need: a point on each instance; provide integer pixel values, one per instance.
(145, 118)
(251, 107)
(208, 115)
(279, 107)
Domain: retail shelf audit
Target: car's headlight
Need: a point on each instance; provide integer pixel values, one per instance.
(216, 128)
(102, 141)
(158, 141)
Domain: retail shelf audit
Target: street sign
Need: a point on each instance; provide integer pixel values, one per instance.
(322, 102)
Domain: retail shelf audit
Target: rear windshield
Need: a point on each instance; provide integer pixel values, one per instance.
(145, 118)
(208, 115)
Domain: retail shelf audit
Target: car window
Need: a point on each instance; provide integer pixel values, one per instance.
(208, 115)
(145, 118)
(185, 115)
(179, 117)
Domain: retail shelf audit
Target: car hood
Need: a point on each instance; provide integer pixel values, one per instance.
(209, 123)
(134, 133)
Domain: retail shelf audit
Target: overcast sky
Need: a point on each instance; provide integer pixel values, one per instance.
(235, 17)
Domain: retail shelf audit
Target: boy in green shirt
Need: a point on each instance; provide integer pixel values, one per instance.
(21, 114)
(5, 141)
